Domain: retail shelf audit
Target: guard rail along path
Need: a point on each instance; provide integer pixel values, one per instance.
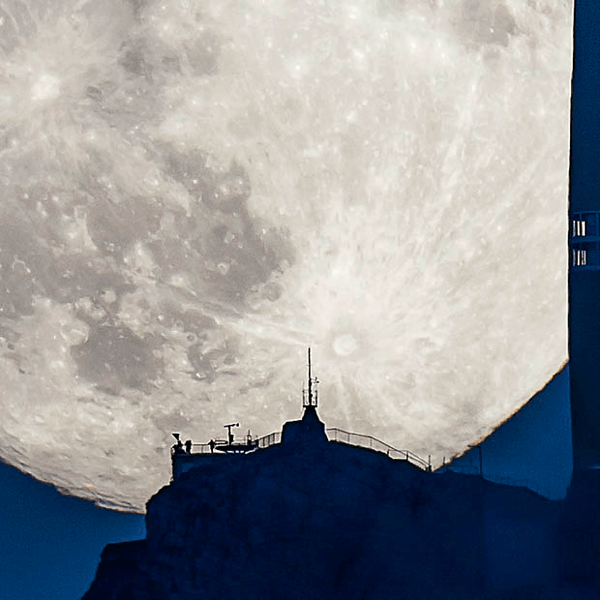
(343, 437)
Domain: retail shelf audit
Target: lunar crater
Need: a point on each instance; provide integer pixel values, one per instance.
(345, 344)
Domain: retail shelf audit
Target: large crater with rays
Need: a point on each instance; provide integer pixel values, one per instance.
(192, 193)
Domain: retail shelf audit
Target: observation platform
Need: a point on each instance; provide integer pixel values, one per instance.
(292, 433)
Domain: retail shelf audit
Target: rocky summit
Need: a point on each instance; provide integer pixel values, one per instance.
(317, 519)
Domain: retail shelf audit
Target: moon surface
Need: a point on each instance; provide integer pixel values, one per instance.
(193, 193)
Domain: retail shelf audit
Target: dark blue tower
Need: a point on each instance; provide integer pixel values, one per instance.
(584, 234)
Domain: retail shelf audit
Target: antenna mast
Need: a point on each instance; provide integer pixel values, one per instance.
(309, 396)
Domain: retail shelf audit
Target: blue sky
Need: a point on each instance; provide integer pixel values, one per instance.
(50, 544)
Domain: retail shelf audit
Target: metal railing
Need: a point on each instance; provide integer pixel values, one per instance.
(368, 441)
(269, 440)
(334, 435)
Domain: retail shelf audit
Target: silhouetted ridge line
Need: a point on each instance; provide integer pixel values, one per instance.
(331, 520)
(328, 514)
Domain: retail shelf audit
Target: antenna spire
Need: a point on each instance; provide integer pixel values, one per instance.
(310, 395)
(309, 378)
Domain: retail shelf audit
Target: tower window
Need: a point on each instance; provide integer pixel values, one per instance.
(579, 258)
(579, 228)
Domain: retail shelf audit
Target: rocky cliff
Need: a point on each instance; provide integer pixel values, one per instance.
(327, 520)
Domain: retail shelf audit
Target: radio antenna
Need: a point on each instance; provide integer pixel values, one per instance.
(310, 394)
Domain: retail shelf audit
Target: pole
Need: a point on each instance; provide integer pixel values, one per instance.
(309, 380)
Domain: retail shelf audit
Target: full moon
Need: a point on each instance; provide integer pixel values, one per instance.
(195, 192)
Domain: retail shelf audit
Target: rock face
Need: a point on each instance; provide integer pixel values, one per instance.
(326, 520)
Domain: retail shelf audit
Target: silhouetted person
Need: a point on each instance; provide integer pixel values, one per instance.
(212, 445)
(179, 447)
(188, 446)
